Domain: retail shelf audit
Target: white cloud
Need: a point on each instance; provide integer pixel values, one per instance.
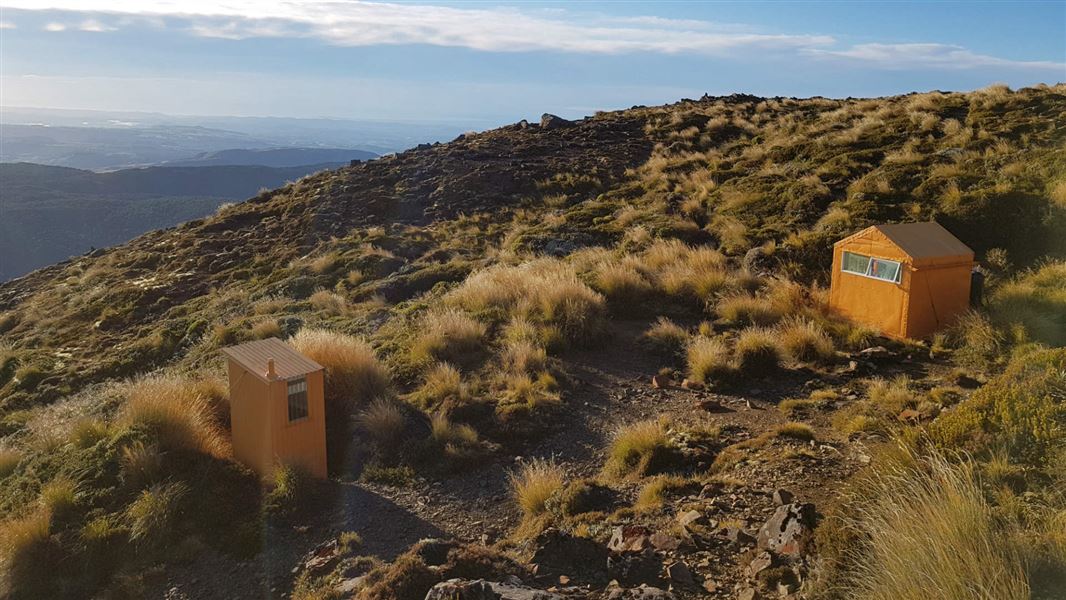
(353, 23)
(943, 56)
(55, 27)
(505, 29)
(7, 25)
(94, 26)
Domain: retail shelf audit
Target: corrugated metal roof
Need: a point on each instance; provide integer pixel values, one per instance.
(928, 240)
(288, 363)
(927, 244)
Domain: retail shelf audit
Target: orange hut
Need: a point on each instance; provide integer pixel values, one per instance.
(907, 279)
(277, 411)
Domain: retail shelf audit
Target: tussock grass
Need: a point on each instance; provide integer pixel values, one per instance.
(534, 484)
(154, 516)
(708, 359)
(173, 412)
(666, 337)
(624, 286)
(267, 329)
(353, 372)
(140, 464)
(27, 551)
(745, 309)
(442, 383)
(758, 350)
(653, 494)
(59, 497)
(543, 291)
(455, 442)
(805, 341)
(1035, 302)
(329, 302)
(384, 421)
(636, 450)
(893, 395)
(9, 461)
(929, 533)
(796, 431)
(450, 336)
(86, 432)
(523, 357)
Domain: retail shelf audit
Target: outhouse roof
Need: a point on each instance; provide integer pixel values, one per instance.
(288, 363)
(925, 243)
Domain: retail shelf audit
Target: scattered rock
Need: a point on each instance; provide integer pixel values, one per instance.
(633, 568)
(550, 121)
(689, 519)
(739, 537)
(782, 497)
(644, 592)
(664, 541)
(788, 532)
(876, 352)
(710, 585)
(688, 384)
(748, 594)
(320, 560)
(679, 573)
(660, 382)
(762, 561)
(710, 405)
(462, 589)
(629, 538)
(559, 553)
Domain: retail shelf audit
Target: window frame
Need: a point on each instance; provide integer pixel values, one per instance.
(300, 394)
(870, 265)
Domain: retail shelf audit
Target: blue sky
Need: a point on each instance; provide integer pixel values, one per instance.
(499, 61)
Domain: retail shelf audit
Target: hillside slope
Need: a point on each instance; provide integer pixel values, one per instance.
(52, 213)
(512, 286)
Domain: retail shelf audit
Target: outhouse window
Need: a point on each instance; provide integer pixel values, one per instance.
(877, 268)
(297, 399)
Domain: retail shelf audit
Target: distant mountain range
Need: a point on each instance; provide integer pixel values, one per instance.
(103, 141)
(48, 213)
(273, 157)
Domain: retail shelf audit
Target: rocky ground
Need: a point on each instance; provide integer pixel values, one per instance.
(748, 531)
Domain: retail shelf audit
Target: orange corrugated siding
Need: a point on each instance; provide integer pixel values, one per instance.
(262, 435)
(933, 289)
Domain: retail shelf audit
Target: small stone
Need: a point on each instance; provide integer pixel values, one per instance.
(564, 580)
(782, 497)
(785, 589)
(664, 541)
(687, 519)
(691, 385)
(709, 405)
(748, 594)
(739, 537)
(629, 538)
(761, 562)
(679, 573)
(710, 585)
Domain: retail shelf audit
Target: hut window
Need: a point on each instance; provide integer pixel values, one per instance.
(887, 270)
(297, 399)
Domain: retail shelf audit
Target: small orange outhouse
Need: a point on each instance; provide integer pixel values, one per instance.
(906, 279)
(277, 412)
